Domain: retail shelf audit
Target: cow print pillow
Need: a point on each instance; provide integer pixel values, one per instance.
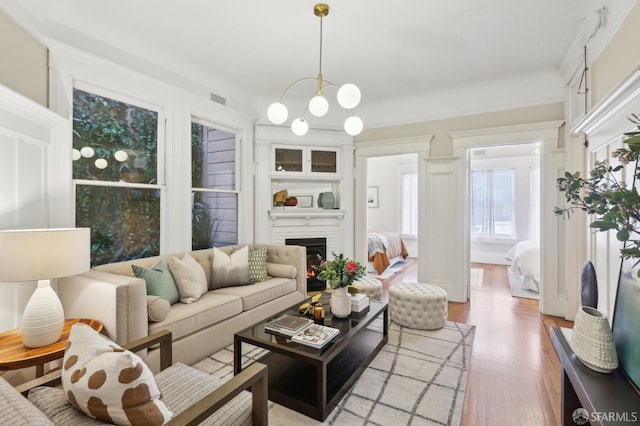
(109, 383)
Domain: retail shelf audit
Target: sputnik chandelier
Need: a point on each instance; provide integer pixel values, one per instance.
(348, 96)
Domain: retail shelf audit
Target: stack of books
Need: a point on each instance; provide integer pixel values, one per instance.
(316, 335)
(359, 305)
(288, 325)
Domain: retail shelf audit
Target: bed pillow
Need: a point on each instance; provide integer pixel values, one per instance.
(230, 270)
(109, 383)
(189, 277)
(159, 281)
(157, 308)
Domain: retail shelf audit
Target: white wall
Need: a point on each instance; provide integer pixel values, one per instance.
(34, 188)
(385, 173)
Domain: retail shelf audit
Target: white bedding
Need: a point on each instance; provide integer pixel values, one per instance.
(525, 261)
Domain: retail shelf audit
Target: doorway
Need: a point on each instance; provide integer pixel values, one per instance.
(379, 152)
(504, 214)
(553, 286)
(392, 210)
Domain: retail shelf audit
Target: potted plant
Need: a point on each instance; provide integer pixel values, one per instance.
(604, 194)
(340, 273)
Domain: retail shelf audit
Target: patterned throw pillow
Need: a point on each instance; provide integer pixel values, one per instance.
(189, 277)
(258, 265)
(159, 281)
(109, 383)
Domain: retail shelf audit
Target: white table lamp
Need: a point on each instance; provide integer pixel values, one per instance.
(41, 254)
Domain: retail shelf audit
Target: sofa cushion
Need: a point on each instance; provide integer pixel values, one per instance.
(230, 270)
(157, 308)
(159, 281)
(16, 410)
(109, 383)
(258, 265)
(182, 385)
(210, 309)
(55, 405)
(259, 293)
(281, 270)
(189, 277)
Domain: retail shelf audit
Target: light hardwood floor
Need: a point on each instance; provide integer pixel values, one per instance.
(514, 375)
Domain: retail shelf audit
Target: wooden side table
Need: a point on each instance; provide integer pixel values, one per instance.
(15, 355)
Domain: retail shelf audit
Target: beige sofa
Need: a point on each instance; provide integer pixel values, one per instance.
(112, 294)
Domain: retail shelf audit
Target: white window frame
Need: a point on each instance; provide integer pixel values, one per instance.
(69, 66)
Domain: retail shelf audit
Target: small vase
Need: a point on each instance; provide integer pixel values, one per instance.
(328, 200)
(592, 341)
(340, 302)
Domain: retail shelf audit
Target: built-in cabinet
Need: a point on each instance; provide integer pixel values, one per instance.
(305, 161)
(319, 162)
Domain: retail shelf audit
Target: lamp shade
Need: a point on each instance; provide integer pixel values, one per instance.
(36, 254)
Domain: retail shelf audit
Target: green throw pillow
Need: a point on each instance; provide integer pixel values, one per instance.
(159, 281)
(258, 265)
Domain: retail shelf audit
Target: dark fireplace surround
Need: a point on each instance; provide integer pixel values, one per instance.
(316, 253)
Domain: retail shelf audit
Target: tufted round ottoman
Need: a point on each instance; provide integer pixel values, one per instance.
(418, 305)
(370, 286)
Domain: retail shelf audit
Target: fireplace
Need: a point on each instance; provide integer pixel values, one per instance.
(316, 253)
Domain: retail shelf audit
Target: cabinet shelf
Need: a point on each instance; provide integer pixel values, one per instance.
(298, 178)
(303, 212)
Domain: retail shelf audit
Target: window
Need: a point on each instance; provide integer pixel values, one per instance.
(214, 193)
(117, 177)
(492, 203)
(409, 205)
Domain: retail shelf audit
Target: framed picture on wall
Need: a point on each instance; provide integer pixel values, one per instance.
(372, 196)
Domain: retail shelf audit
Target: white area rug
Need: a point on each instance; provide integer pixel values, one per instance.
(517, 290)
(391, 270)
(419, 377)
(476, 277)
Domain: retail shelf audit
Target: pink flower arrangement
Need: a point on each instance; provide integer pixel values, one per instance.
(340, 272)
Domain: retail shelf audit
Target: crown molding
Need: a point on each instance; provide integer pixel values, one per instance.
(623, 98)
(596, 36)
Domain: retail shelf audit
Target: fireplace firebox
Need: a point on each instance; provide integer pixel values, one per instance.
(316, 254)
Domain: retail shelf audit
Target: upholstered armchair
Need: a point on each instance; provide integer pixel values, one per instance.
(193, 397)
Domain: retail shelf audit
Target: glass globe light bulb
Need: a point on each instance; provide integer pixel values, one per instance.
(349, 96)
(318, 106)
(299, 127)
(121, 155)
(101, 163)
(353, 125)
(87, 152)
(277, 113)
(75, 154)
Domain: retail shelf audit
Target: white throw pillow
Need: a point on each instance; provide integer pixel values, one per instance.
(109, 383)
(229, 271)
(189, 277)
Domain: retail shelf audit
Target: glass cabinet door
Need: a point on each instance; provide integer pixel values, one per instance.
(288, 160)
(324, 161)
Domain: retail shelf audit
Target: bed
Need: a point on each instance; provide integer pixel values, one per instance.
(525, 264)
(385, 249)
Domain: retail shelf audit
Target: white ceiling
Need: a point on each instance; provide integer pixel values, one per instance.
(416, 60)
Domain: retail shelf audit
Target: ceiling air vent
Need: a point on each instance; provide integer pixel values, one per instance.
(219, 99)
(479, 152)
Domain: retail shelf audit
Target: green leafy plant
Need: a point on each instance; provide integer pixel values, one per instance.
(341, 271)
(604, 194)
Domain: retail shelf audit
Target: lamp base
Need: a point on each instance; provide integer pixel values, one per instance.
(43, 318)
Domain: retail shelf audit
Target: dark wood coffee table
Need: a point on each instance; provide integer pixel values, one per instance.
(312, 381)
